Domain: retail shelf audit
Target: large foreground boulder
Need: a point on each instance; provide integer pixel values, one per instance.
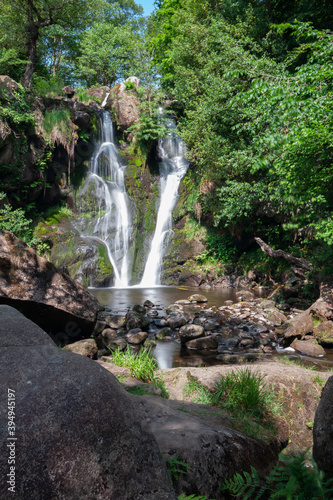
(78, 435)
(323, 430)
(194, 435)
(50, 298)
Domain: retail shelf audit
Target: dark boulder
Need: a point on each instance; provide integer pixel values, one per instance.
(50, 298)
(323, 430)
(79, 436)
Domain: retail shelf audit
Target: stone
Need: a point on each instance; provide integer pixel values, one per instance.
(116, 321)
(109, 335)
(183, 302)
(135, 320)
(203, 343)
(189, 332)
(68, 91)
(267, 304)
(119, 343)
(308, 347)
(149, 343)
(323, 332)
(82, 119)
(148, 303)
(196, 297)
(322, 309)
(212, 451)
(299, 326)
(163, 332)
(323, 431)
(85, 347)
(137, 338)
(176, 320)
(16, 329)
(50, 298)
(99, 92)
(8, 84)
(126, 104)
(244, 295)
(139, 308)
(275, 316)
(80, 434)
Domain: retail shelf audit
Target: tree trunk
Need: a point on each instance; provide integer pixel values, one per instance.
(302, 263)
(32, 34)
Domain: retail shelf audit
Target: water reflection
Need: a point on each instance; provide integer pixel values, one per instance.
(119, 300)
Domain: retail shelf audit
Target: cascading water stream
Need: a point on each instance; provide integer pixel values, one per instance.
(173, 167)
(104, 195)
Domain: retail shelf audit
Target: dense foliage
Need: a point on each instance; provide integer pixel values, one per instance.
(250, 83)
(256, 114)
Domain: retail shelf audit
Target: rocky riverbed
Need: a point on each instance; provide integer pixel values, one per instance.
(246, 330)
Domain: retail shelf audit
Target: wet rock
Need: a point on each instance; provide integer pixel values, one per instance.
(203, 343)
(308, 347)
(108, 334)
(45, 295)
(149, 343)
(137, 338)
(88, 440)
(196, 297)
(85, 347)
(119, 343)
(116, 321)
(176, 321)
(323, 431)
(189, 332)
(139, 308)
(183, 302)
(99, 327)
(136, 320)
(174, 308)
(244, 295)
(148, 303)
(163, 332)
(323, 333)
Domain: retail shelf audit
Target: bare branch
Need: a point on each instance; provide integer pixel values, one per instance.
(302, 263)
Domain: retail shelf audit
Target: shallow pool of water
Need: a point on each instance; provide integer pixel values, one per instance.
(172, 354)
(119, 300)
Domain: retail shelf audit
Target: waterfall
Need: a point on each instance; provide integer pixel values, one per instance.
(173, 167)
(104, 204)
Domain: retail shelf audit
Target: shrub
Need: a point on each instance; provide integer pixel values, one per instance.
(294, 479)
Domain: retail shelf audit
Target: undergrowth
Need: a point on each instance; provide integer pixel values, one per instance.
(250, 404)
(291, 479)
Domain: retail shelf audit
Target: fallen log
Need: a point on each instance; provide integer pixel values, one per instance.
(299, 262)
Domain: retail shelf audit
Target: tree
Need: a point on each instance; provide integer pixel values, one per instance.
(38, 14)
(111, 60)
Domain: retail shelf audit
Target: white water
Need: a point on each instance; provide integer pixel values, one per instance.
(173, 167)
(104, 194)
